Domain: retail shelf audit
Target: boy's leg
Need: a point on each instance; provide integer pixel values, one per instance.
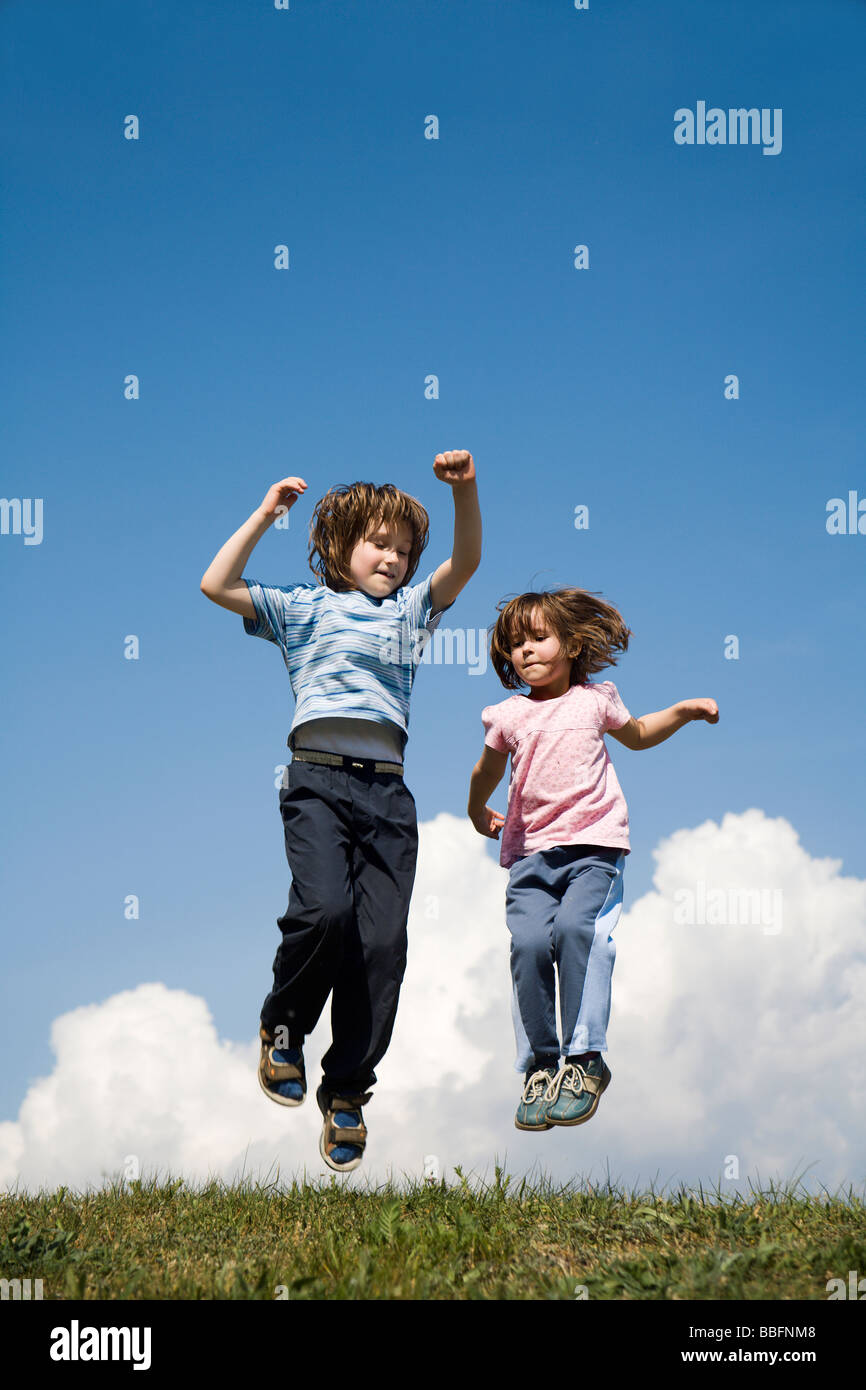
(316, 817)
(585, 950)
(367, 983)
(531, 902)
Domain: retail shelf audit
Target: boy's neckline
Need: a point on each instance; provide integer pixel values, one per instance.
(372, 597)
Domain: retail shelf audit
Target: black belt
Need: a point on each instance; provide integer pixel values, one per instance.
(345, 760)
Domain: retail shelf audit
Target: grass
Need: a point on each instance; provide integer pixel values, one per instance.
(497, 1240)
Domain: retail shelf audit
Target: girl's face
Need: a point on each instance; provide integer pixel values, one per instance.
(380, 561)
(537, 659)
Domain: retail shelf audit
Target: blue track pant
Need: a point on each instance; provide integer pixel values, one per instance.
(561, 906)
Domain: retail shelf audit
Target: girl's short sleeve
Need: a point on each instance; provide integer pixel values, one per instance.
(614, 712)
(494, 733)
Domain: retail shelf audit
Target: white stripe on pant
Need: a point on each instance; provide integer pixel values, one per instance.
(561, 907)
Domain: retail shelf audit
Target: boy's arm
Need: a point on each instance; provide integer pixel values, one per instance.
(651, 729)
(486, 776)
(221, 581)
(458, 470)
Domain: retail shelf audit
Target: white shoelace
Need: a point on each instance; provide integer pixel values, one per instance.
(535, 1086)
(569, 1078)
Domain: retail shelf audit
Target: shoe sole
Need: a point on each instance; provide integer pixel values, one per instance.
(280, 1100)
(533, 1129)
(582, 1119)
(338, 1167)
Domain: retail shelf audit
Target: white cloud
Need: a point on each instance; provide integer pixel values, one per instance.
(738, 1037)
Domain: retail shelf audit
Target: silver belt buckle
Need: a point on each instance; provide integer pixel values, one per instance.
(357, 764)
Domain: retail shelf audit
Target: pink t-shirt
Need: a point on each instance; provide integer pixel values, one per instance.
(563, 788)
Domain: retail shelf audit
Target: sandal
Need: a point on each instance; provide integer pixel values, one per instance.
(281, 1071)
(344, 1134)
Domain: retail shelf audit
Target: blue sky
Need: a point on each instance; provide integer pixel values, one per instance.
(409, 257)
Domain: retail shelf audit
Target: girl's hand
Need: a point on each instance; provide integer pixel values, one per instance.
(488, 823)
(456, 466)
(700, 709)
(283, 494)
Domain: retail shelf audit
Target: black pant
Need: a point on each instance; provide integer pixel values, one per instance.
(352, 846)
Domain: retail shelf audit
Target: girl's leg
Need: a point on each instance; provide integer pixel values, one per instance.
(585, 950)
(316, 818)
(367, 983)
(531, 903)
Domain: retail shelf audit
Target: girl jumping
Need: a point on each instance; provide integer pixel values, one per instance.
(564, 836)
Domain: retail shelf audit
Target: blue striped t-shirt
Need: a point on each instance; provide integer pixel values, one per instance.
(347, 654)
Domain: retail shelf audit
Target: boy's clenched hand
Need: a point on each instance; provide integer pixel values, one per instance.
(455, 466)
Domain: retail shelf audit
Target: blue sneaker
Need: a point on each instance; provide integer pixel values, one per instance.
(344, 1134)
(532, 1110)
(282, 1076)
(573, 1094)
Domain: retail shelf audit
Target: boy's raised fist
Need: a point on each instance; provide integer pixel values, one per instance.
(455, 466)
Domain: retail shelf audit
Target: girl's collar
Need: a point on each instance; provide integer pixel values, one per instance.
(550, 700)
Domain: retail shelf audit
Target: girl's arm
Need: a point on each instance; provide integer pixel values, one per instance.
(222, 580)
(651, 729)
(486, 776)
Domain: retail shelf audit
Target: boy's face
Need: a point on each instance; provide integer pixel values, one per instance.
(379, 562)
(537, 659)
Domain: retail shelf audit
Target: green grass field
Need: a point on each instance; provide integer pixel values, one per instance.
(496, 1240)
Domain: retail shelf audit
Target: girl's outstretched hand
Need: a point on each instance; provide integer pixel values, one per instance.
(283, 494)
(456, 466)
(700, 709)
(488, 823)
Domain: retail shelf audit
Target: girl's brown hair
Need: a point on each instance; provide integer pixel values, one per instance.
(349, 513)
(589, 631)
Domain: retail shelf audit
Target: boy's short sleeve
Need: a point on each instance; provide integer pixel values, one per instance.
(418, 601)
(614, 712)
(270, 603)
(494, 731)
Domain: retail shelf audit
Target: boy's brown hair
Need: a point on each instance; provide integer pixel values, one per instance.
(347, 514)
(589, 630)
